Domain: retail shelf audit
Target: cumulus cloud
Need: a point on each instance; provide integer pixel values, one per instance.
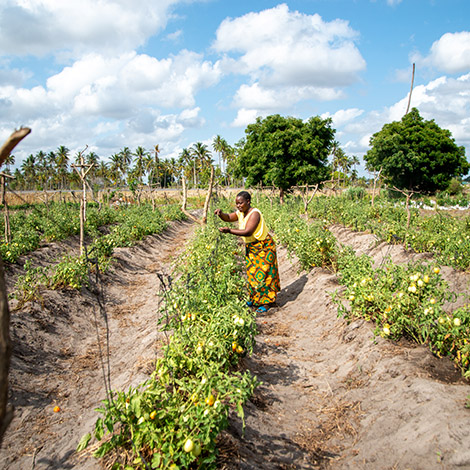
(280, 98)
(280, 47)
(112, 101)
(343, 116)
(289, 57)
(245, 117)
(450, 53)
(115, 87)
(41, 27)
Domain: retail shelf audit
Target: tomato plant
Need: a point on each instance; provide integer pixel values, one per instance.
(173, 419)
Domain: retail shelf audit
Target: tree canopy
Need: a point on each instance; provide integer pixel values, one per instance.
(415, 154)
(286, 151)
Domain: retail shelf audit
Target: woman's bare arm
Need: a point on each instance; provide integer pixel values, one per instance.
(249, 229)
(232, 217)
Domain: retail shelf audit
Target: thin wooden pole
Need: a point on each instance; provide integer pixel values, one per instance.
(411, 89)
(84, 169)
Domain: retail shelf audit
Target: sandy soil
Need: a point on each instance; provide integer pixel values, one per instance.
(332, 396)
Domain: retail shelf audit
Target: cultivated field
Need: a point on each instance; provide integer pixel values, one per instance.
(352, 368)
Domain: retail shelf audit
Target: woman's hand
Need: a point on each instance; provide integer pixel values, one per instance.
(224, 229)
(218, 212)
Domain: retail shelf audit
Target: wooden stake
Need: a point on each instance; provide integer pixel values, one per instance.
(4, 176)
(84, 169)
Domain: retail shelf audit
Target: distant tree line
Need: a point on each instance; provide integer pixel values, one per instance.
(281, 152)
(54, 170)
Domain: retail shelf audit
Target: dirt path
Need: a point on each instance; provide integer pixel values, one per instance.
(332, 397)
(57, 355)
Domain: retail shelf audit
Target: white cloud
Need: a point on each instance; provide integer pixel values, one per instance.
(175, 36)
(280, 47)
(280, 98)
(289, 57)
(111, 101)
(245, 117)
(341, 117)
(450, 53)
(96, 85)
(41, 27)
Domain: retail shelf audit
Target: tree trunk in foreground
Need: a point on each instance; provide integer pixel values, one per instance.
(6, 411)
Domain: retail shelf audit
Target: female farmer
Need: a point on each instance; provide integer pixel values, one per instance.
(261, 259)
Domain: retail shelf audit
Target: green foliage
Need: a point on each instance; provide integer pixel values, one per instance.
(402, 300)
(285, 151)
(405, 300)
(133, 224)
(172, 420)
(446, 236)
(355, 193)
(57, 221)
(416, 155)
(455, 187)
(311, 242)
(71, 272)
(28, 285)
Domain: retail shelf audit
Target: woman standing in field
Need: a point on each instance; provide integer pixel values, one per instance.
(261, 258)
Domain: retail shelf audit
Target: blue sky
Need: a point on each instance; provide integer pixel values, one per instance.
(109, 74)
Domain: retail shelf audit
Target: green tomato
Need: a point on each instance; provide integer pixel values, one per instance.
(197, 450)
(188, 445)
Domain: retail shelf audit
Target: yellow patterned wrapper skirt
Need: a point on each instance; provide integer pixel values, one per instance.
(262, 271)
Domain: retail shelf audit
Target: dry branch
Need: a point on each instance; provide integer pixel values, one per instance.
(15, 138)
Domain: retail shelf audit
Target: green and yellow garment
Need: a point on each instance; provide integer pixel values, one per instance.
(261, 262)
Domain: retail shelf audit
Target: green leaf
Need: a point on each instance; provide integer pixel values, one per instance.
(99, 431)
(83, 442)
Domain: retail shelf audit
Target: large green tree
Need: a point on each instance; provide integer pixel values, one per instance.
(286, 151)
(415, 154)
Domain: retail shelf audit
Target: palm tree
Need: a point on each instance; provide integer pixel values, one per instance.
(62, 163)
(51, 173)
(173, 169)
(29, 170)
(92, 158)
(184, 162)
(219, 145)
(140, 156)
(19, 181)
(156, 165)
(126, 159)
(354, 162)
(10, 160)
(230, 157)
(201, 157)
(115, 165)
(102, 173)
(42, 174)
